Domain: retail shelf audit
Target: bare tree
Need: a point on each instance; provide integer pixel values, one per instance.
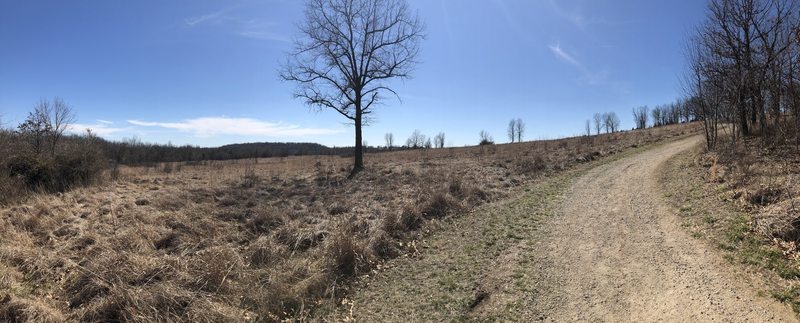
(428, 144)
(611, 122)
(486, 138)
(640, 117)
(512, 130)
(598, 122)
(417, 140)
(349, 49)
(516, 130)
(389, 138)
(60, 117)
(520, 129)
(588, 127)
(438, 141)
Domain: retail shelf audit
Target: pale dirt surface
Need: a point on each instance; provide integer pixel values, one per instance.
(597, 244)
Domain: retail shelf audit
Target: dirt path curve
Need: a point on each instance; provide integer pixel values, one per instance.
(592, 244)
(617, 253)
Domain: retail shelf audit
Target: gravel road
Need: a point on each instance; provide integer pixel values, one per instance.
(616, 252)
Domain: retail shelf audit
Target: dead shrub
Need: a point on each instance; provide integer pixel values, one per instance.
(11, 189)
(456, 188)
(18, 310)
(530, 165)
(274, 301)
(163, 303)
(83, 288)
(227, 201)
(779, 221)
(300, 240)
(169, 242)
(108, 309)
(66, 231)
(172, 201)
(250, 178)
(437, 206)
(264, 220)
(765, 196)
(346, 256)
(396, 224)
(263, 252)
(337, 209)
(213, 270)
(383, 246)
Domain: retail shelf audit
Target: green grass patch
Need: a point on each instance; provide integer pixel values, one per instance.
(790, 296)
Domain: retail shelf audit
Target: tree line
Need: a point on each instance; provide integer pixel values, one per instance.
(743, 70)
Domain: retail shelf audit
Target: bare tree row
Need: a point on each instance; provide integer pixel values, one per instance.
(608, 121)
(516, 130)
(661, 115)
(744, 69)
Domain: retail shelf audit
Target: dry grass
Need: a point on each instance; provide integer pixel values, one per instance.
(253, 240)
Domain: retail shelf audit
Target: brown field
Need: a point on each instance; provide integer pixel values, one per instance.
(248, 240)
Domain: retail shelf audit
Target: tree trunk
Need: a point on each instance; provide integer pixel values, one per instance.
(742, 117)
(358, 162)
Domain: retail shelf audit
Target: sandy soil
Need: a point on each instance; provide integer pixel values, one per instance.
(598, 244)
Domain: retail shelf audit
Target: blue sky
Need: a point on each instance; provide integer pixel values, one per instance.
(205, 72)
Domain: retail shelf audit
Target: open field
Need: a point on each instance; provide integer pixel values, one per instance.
(259, 239)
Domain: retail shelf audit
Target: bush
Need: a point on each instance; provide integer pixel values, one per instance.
(30, 170)
(437, 206)
(347, 257)
(57, 174)
(75, 169)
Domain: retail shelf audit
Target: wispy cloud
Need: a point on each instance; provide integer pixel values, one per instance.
(589, 76)
(578, 19)
(213, 126)
(102, 128)
(562, 55)
(256, 29)
(248, 28)
(214, 17)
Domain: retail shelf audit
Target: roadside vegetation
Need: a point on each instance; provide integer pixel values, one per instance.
(745, 201)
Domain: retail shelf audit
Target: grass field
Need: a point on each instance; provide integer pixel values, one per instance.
(248, 240)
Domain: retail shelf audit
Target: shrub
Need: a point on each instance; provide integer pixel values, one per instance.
(765, 196)
(437, 206)
(346, 256)
(18, 310)
(30, 170)
(56, 174)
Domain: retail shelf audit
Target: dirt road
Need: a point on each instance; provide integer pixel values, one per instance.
(595, 245)
(617, 253)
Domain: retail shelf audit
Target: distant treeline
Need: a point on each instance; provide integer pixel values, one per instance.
(133, 151)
